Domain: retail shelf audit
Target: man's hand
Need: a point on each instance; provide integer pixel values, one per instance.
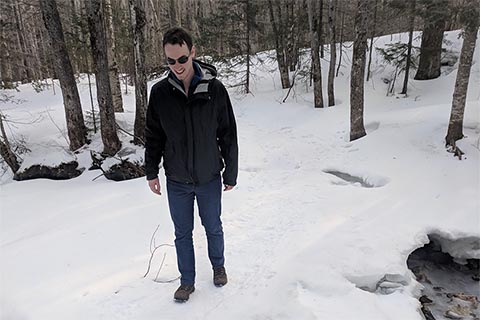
(155, 186)
(228, 188)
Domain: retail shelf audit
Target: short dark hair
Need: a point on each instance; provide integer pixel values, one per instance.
(179, 36)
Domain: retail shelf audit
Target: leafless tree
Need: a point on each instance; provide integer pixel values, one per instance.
(357, 128)
(77, 132)
(313, 22)
(470, 16)
(333, 53)
(137, 13)
(98, 40)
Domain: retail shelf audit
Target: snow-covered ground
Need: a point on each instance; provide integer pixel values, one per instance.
(301, 243)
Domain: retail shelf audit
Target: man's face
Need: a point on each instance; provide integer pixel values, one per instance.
(176, 52)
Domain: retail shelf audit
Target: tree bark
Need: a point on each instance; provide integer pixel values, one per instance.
(320, 27)
(248, 24)
(279, 48)
(409, 50)
(173, 14)
(333, 55)
(455, 126)
(137, 13)
(371, 40)
(315, 52)
(77, 132)
(357, 128)
(26, 73)
(432, 37)
(342, 25)
(98, 40)
(5, 149)
(5, 62)
(112, 60)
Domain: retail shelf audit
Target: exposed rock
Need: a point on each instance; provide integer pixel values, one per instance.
(427, 313)
(125, 170)
(63, 171)
(457, 312)
(425, 300)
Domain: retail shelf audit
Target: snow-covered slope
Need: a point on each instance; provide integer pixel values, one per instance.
(301, 242)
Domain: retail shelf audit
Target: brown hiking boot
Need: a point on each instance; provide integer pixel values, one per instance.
(183, 293)
(219, 277)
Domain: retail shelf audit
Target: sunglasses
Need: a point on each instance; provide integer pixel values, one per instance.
(181, 60)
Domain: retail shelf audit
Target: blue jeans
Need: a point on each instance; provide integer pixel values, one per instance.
(181, 197)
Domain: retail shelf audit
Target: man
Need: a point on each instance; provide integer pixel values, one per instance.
(191, 125)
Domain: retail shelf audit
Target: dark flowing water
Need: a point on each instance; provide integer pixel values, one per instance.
(451, 289)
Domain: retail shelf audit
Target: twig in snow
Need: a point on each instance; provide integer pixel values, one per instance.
(153, 248)
(55, 124)
(132, 135)
(161, 265)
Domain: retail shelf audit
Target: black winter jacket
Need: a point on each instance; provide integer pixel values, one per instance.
(195, 136)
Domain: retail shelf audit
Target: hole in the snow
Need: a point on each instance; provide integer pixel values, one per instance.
(366, 182)
(387, 284)
(449, 271)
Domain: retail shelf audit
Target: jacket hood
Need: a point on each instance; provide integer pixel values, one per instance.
(208, 70)
(204, 73)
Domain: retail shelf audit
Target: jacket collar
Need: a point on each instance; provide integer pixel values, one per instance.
(203, 74)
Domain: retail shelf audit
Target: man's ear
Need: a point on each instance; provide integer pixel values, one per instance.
(193, 52)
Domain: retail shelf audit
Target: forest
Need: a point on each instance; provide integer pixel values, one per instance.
(118, 43)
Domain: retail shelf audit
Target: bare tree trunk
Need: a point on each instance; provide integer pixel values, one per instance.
(33, 26)
(455, 126)
(342, 8)
(279, 48)
(77, 132)
(409, 50)
(173, 14)
(247, 14)
(112, 61)
(315, 48)
(45, 65)
(156, 38)
(5, 62)
(75, 31)
(6, 150)
(432, 37)
(98, 40)
(333, 54)
(371, 40)
(321, 37)
(26, 70)
(357, 128)
(137, 13)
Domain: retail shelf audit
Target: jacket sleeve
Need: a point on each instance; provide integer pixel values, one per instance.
(154, 138)
(227, 137)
